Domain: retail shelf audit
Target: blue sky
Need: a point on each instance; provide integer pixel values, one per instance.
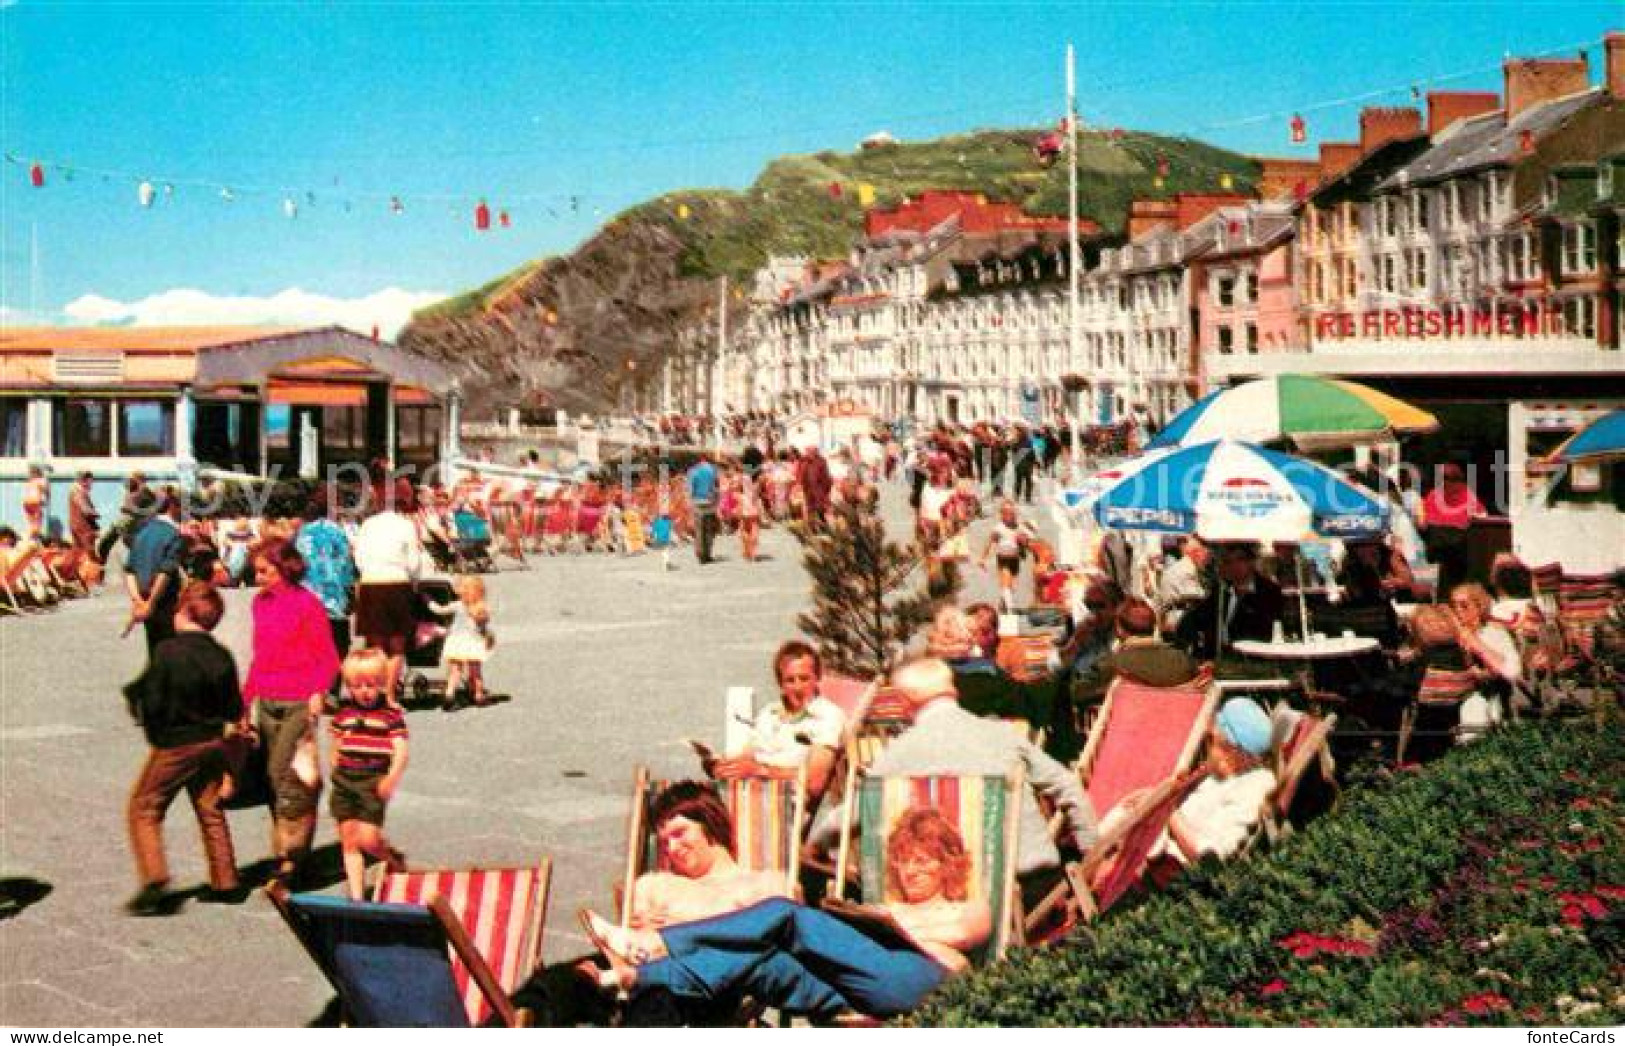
(563, 114)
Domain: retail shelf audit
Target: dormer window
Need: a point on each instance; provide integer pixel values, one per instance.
(1605, 180)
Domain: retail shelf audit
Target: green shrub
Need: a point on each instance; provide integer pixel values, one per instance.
(1488, 888)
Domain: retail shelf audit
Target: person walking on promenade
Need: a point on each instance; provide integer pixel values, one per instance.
(389, 558)
(369, 756)
(187, 702)
(293, 667)
(703, 487)
(812, 473)
(84, 521)
(152, 573)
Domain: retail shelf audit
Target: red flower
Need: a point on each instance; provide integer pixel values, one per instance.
(1547, 882)
(1274, 987)
(1613, 893)
(1485, 1002)
(1593, 907)
(1531, 844)
(1573, 915)
(1592, 845)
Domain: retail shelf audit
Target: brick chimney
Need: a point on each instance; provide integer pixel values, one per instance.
(1446, 107)
(1613, 49)
(1381, 125)
(1278, 177)
(1530, 81)
(1337, 157)
(1146, 215)
(1190, 208)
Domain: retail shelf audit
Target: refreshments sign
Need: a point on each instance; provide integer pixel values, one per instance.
(1417, 323)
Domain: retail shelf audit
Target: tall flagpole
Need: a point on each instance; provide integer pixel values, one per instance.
(1074, 255)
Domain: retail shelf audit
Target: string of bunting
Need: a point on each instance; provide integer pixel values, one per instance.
(149, 191)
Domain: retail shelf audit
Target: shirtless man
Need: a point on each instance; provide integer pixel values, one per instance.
(699, 877)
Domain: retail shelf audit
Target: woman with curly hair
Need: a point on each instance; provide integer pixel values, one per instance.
(807, 961)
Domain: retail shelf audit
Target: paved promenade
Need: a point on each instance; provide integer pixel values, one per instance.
(611, 662)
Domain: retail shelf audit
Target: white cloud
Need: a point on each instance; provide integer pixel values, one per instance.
(388, 309)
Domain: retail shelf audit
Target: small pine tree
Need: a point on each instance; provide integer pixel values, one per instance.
(867, 600)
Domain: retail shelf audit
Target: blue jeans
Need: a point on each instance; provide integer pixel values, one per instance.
(792, 957)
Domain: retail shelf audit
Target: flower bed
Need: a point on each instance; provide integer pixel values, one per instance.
(1488, 888)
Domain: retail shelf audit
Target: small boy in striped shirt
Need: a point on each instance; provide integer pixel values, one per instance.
(369, 756)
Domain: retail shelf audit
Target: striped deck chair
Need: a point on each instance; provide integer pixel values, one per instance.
(1546, 581)
(1582, 604)
(503, 911)
(23, 583)
(1440, 689)
(985, 809)
(396, 965)
(768, 817)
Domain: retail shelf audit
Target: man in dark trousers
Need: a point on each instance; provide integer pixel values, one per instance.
(186, 700)
(152, 573)
(702, 494)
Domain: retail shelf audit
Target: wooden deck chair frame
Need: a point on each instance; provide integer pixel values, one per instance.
(462, 947)
(391, 885)
(1008, 923)
(1075, 891)
(1407, 718)
(11, 583)
(1313, 749)
(638, 842)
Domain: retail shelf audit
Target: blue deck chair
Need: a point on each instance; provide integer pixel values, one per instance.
(392, 964)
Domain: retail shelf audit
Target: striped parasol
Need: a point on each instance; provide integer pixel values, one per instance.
(1310, 411)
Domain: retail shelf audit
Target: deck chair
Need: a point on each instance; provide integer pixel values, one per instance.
(1442, 689)
(637, 537)
(1026, 658)
(987, 812)
(1582, 604)
(1304, 744)
(23, 583)
(768, 817)
(503, 911)
(1545, 581)
(394, 965)
(1118, 860)
(1144, 737)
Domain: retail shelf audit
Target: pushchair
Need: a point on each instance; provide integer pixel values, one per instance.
(471, 543)
(429, 643)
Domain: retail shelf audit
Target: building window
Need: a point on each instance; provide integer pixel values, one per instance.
(1225, 291)
(1579, 250)
(1227, 340)
(146, 428)
(1419, 212)
(1580, 317)
(1419, 270)
(1252, 338)
(1388, 212)
(82, 428)
(1389, 270)
(13, 428)
(1252, 285)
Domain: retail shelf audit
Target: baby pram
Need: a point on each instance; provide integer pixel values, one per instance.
(429, 643)
(470, 543)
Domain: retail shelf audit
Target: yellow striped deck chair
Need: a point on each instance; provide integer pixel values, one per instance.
(986, 811)
(768, 816)
(501, 910)
(636, 530)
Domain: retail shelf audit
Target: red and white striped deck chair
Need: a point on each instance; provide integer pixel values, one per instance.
(1306, 745)
(1026, 658)
(1117, 861)
(1545, 581)
(503, 911)
(768, 816)
(1582, 604)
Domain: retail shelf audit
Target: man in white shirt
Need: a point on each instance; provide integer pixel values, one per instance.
(1182, 586)
(804, 727)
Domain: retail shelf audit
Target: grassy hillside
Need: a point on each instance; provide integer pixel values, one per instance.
(791, 208)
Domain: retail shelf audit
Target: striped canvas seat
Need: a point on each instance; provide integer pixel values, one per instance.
(502, 910)
(1118, 862)
(1143, 737)
(1583, 602)
(1546, 581)
(984, 809)
(1446, 686)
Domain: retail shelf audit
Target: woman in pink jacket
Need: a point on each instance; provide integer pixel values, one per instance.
(294, 665)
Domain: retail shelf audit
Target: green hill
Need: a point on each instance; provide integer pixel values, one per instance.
(620, 297)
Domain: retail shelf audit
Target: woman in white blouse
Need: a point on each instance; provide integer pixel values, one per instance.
(389, 558)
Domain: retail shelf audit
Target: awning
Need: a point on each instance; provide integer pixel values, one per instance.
(316, 394)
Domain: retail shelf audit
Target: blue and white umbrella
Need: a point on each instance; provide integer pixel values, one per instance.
(1227, 490)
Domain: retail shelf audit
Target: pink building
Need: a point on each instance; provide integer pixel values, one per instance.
(1241, 282)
